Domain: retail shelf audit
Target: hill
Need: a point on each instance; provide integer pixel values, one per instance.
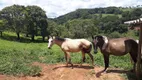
(91, 13)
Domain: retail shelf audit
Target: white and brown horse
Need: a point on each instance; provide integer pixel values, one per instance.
(72, 45)
(117, 47)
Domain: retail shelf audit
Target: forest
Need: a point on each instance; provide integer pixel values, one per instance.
(83, 23)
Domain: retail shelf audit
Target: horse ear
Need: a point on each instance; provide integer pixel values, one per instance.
(53, 37)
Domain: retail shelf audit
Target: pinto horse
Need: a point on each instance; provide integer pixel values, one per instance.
(72, 45)
(117, 47)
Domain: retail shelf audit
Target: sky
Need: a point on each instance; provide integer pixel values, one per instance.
(56, 8)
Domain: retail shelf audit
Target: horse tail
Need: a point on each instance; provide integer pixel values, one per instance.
(134, 50)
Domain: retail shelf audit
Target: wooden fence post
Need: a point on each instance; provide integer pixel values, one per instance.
(138, 67)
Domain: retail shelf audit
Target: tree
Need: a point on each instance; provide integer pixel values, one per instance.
(112, 23)
(15, 16)
(54, 28)
(43, 28)
(136, 13)
(2, 25)
(36, 20)
(126, 15)
(80, 28)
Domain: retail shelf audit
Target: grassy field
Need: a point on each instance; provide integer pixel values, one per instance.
(104, 15)
(17, 57)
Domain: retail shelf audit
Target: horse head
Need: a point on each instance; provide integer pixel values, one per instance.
(99, 41)
(51, 41)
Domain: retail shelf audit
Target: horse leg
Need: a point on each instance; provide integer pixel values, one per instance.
(69, 59)
(66, 58)
(83, 58)
(106, 61)
(91, 56)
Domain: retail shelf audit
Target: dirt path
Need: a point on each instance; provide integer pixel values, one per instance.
(60, 72)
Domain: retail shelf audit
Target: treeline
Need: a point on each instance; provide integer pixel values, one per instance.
(82, 23)
(30, 20)
(108, 21)
(127, 13)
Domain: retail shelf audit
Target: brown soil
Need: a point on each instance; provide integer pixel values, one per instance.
(61, 72)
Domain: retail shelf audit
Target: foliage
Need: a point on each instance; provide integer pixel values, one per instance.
(15, 16)
(132, 34)
(109, 20)
(87, 13)
(79, 28)
(54, 29)
(115, 35)
(29, 20)
(36, 21)
(3, 25)
(82, 23)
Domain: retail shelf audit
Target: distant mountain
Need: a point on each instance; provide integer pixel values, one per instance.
(91, 13)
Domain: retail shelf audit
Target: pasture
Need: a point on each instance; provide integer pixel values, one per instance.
(16, 57)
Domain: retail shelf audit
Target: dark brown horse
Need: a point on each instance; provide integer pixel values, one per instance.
(117, 47)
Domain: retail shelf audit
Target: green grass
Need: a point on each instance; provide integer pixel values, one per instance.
(126, 9)
(17, 57)
(104, 15)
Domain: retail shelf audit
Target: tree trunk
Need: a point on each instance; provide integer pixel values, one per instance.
(1, 33)
(32, 37)
(27, 35)
(43, 38)
(18, 36)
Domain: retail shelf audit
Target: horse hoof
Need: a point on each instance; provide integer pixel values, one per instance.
(72, 66)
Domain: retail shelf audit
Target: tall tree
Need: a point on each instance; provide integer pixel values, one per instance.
(2, 26)
(36, 20)
(15, 16)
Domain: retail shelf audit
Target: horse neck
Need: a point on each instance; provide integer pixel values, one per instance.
(59, 43)
(101, 44)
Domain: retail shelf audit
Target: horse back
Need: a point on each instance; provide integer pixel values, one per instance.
(121, 46)
(75, 45)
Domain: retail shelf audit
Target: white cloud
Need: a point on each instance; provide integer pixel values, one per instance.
(55, 8)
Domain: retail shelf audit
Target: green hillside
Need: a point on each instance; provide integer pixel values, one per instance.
(91, 13)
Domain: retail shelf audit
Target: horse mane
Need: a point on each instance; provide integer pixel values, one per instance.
(60, 39)
(105, 39)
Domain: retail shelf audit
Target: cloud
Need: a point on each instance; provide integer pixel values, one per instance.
(55, 8)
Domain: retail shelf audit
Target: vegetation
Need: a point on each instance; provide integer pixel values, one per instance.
(24, 29)
(82, 23)
(29, 20)
(17, 58)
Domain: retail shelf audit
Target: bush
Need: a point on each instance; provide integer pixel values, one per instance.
(115, 35)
